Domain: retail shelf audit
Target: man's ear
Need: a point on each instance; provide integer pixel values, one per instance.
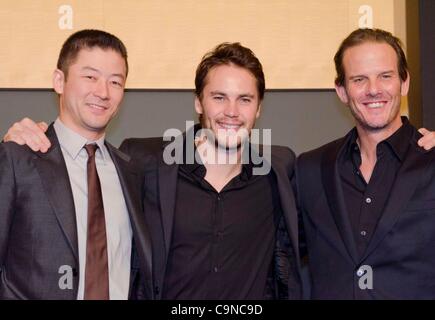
(342, 94)
(258, 111)
(58, 81)
(404, 87)
(198, 106)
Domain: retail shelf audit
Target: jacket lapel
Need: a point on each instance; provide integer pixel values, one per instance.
(167, 185)
(131, 186)
(407, 180)
(334, 194)
(55, 180)
(167, 176)
(288, 203)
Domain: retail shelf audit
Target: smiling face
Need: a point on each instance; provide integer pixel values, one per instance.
(229, 104)
(91, 93)
(373, 88)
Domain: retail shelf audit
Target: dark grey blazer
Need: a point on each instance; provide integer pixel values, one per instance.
(38, 233)
(401, 252)
(159, 205)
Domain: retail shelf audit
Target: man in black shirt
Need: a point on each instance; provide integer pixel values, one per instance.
(214, 254)
(220, 230)
(367, 199)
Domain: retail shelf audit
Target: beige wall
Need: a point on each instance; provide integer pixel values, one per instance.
(294, 39)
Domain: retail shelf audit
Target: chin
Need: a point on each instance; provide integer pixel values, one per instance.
(375, 125)
(224, 145)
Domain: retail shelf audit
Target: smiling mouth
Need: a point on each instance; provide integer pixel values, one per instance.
(97, 106)
(229, 126)
(375, 105)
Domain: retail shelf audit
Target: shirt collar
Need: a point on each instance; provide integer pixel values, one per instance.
(73, 143)
(396, 142)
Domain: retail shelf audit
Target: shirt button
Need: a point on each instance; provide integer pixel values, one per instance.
(368, 200)
(363, 233)
(360, 272)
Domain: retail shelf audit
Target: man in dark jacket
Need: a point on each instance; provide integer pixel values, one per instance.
(219, 229)
(367, 199)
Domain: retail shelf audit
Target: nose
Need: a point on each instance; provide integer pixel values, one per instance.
(101, 89)
(374, 87)
(232, 109)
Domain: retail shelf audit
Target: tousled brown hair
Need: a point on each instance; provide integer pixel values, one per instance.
(225, 54)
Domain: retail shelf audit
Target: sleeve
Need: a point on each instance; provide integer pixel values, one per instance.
(303, 252)
(7, 198)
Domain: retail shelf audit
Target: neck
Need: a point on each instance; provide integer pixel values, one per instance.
(369, 139)
(222, 165)
(87, 134)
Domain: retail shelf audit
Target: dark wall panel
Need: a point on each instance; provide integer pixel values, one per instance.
(300, 119)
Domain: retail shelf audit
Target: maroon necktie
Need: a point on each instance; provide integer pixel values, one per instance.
(97, 270)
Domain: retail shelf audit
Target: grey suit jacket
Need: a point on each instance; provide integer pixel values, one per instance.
(38, 233)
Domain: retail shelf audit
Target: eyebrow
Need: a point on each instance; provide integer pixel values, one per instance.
(248, 95)
(218, 92)
(357, 76)
(98, 71)
(389, 71)
(364, 76)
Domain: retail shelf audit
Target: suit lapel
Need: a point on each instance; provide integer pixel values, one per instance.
(55, 180)
(407, 180)
(288, 203)
(130, 182)
(334, 194)
(167, 176)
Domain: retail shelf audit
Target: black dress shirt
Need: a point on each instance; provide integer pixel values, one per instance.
(364, 201)
(223, 242)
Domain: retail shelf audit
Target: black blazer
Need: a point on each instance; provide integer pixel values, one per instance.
(159, 205)
(401, 252)
(38, 232)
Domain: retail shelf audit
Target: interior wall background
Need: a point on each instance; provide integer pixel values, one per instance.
(295, 40)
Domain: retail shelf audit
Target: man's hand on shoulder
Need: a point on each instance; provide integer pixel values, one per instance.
(27, 132)
(428, 140)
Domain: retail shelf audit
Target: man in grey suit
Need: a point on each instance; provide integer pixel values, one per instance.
(68, 217)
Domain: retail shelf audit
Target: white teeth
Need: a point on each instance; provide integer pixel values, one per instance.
(229, 126)
(96, 106)
(375, 105)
